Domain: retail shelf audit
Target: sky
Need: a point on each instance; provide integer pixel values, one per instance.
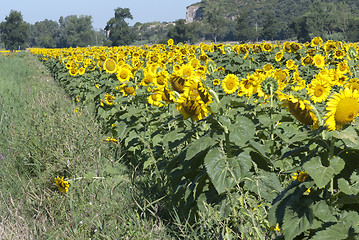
(101, 10)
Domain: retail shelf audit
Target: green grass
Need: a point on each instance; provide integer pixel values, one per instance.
(41, 137)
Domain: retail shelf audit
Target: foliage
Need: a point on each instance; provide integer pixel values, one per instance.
(253, 137)
(44, 34)
(14, 31)
(76, 31)
(119, 31)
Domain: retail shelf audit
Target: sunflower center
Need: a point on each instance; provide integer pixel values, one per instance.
(319, 90)
(230, 85)
(110, 65)
(347, 110)
(123, 74)
(129, 90)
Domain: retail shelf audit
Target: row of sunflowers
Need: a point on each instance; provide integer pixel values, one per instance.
(217, 122)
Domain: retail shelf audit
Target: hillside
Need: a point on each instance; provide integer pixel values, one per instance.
(333, 15)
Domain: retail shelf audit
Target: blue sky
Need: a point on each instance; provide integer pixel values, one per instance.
(101, 11)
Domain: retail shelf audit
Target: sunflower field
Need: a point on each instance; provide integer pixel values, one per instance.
(258, 139)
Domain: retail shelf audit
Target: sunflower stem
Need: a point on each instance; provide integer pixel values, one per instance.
(316, 113)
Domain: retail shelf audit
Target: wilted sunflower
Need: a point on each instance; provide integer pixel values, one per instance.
(353, 84)
(307, 60)
(230, 83)
(300, 109)
(62, 184)
(193, 108)
(342, 108)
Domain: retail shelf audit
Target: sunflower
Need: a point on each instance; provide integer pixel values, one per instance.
(109, 99)
(354, 84)
(248, 86)
(62, 184)
(155, 98)
(177, 82)
(290, 64)
(317, 41)
(81, 71)
(124, 74)
(193, 108)
(343, 67)
(216, 82)
(318, 90)
(73, 71)
(127, 90)
(319, 61)
(307, 60)
(339, 54)
(230, 83)
(110, 65)
(278, 56)
(300, 109)
(342, 108)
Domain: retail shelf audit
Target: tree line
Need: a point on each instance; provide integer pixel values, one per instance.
(218, 20)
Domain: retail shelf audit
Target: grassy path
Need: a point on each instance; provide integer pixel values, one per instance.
(41, 137)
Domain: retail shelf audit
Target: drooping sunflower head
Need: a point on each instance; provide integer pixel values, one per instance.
(300, 109)
(62, 184)
(353, 84)
(230, 83)
(193, 108)
(342, 108)
(177, 82)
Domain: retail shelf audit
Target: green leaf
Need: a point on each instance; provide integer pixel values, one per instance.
(242, 131)
(266, 184)
(121, 129)
(297, 218)
(320, 174)
(349, 137)
(345, 187)
(226, 172)
(198, 146)
(335, 232)
(324, 212)
(157, 139)
(173, 136)
(337, 163)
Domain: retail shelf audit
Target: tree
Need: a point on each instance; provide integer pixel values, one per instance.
(44, 34)
(14, 31)
(270, 26)
(76, 31)
(119, 32)
(321, 18)
(352, 34)
(301, 29)
(215, 22)
(245, 27)
(180, 32)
